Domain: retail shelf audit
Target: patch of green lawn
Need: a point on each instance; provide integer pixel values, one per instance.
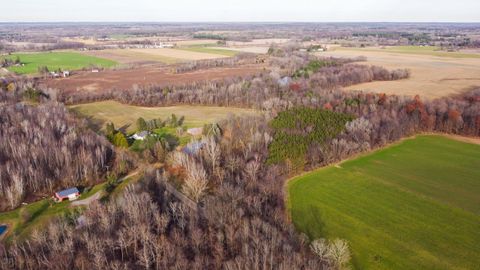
(55, 61)
(23, 220)
(414, 205)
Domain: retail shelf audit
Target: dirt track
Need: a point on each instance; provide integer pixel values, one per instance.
(126, 79)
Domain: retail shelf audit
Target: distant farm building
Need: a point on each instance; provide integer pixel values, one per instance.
(195, 131)
(67, 194)
(54, 74)
(284, 81)
(141, 135)
(193, 148)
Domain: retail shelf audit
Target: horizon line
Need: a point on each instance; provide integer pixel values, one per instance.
(244, 22)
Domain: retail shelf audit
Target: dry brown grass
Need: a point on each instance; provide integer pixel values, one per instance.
(259, 42)
(179, 54)
(250, 49)
(431, 76)
(123, 115)
(132, 56)
(192, 42)
(167, 56)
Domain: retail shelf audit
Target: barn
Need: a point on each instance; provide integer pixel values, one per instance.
(67, 194)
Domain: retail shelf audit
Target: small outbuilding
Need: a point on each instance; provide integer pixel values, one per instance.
(193, 148)
(284, 81)
(70, 194)
(195, 131)
(141, 135)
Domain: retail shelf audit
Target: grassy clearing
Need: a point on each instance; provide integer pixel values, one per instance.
(204, 49)
(23, 220)
(122, 115)
(414, 205)
(55, 61)
(420, 50)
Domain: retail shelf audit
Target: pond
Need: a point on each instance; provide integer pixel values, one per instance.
(3, 228)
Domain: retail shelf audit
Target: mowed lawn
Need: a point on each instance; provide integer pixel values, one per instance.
(414, 205)
(56, 60)
(123, 115)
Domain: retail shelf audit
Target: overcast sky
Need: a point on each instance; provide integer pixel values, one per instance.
(241, 10)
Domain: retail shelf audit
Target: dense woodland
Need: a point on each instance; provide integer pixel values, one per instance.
(239, 225)
(43, 147)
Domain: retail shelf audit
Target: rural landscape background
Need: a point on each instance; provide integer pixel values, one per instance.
(239, 145)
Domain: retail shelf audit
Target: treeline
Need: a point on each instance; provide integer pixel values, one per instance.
(250, 91)
(380, 120)
(44, 148)
(239, 59)
(7, 62)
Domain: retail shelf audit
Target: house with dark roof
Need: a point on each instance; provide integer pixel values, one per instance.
(193, 148)
(67, 194)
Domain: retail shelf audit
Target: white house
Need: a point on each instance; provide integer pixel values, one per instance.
(141, 135)
(70, 194)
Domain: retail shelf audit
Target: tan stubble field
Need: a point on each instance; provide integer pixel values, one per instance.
(431, 76)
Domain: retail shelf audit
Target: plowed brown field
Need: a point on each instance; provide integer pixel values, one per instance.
(148, 75)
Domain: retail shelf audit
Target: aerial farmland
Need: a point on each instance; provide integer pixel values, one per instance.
(238, 145)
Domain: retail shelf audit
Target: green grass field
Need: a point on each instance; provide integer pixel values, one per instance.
(56, 60)
(41, 212)
(38, 213)
(414, 205)
(419, 50)
(204, 49)
(122, 115)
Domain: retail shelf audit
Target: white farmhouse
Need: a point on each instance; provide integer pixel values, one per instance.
(141, 135)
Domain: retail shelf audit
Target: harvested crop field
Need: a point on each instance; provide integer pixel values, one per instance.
(127, 56)
(210, 50)
(125, 115)
(258, 42)
(193, 42)
(167, 56)
(249, 49)
(180, 54)
(147, 75)
(413, 205)
(433, 74)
